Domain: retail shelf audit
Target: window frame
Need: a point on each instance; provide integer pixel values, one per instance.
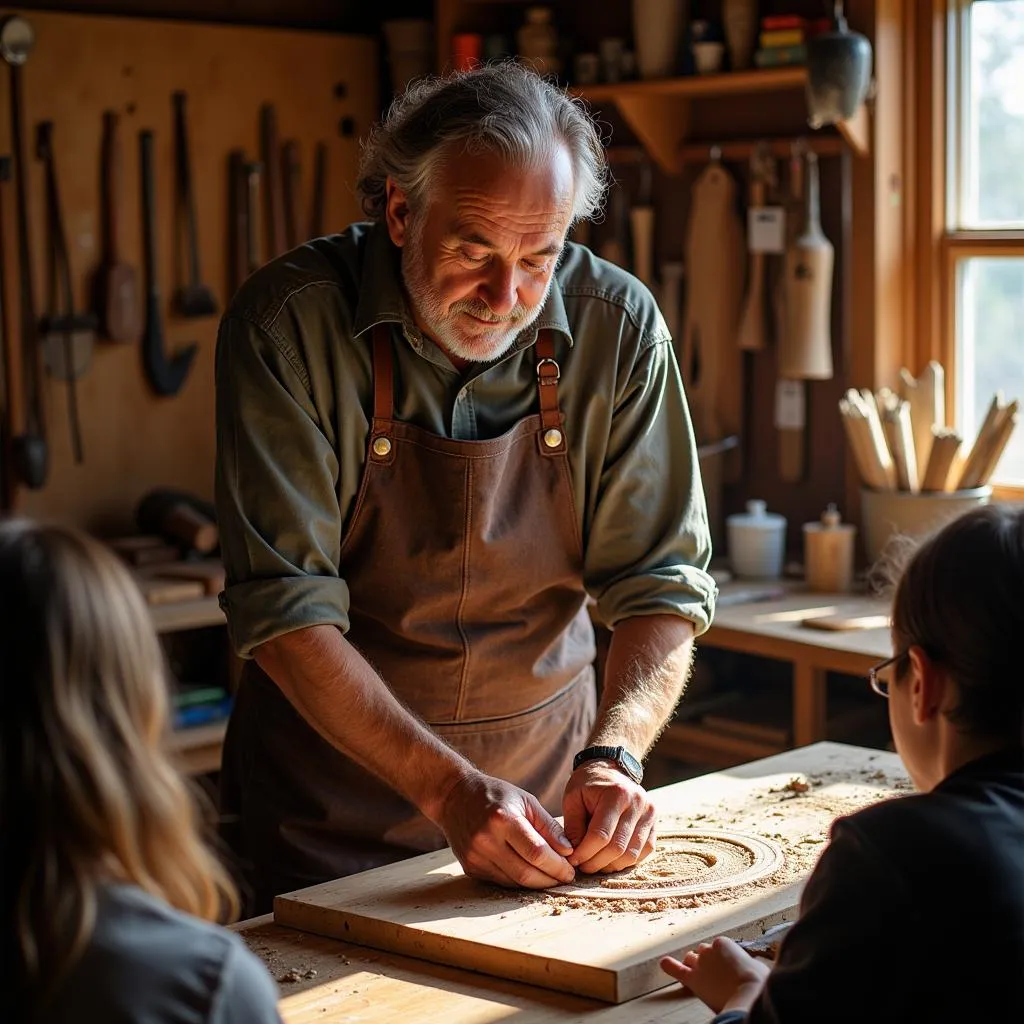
(944, 39)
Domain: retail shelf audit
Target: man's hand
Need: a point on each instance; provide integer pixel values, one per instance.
(609, 819)
(502, 834)
(720, 974)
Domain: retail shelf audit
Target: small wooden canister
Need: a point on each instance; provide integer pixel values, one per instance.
(828, 553)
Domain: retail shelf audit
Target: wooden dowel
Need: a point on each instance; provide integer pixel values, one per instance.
(901, 444)
(944, 447)
(1007, 424)
(883, 452)
(927, 398)
(869, 456)
(978, 455)
(862, 454)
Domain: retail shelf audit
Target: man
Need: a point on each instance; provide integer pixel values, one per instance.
(438, 434)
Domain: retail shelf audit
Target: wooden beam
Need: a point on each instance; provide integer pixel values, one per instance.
(857, 131)
(660, 122)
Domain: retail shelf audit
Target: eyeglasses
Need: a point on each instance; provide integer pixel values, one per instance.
(881, 686)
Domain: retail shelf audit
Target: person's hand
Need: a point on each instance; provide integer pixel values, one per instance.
(609, 819)
(720, 974)
(502, 834)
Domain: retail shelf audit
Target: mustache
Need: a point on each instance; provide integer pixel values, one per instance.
(483, 312)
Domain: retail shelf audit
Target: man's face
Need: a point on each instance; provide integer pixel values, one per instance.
(479, 257)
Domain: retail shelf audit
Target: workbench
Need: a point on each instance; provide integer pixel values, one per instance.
(773, 628)
(323, 979)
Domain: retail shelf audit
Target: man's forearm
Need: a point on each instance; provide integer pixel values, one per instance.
(648, 664)
(339, 694)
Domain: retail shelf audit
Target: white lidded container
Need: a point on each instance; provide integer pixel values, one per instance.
(757, 542)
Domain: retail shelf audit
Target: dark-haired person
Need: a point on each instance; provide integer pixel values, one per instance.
(107, 888)
(439, 433)
(915, 911)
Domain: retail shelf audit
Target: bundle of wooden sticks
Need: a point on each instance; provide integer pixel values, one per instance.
(900, 441)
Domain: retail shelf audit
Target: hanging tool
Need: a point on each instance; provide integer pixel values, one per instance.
(117, 283)
(712, 363)
(67, 336)
(272, 173)
(166, 378)
(238, 222)
(29, 450)
(752, 320)
(10, 366)
(194, 298)
(805, 351)
(316, 220)
(641, 224)
(790, 395)
(291, 171)
(253, 171)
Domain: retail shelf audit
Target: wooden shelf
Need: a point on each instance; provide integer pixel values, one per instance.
(196, 614)
(197, 749)
(658, 110)
(693, 86)
(691, 742)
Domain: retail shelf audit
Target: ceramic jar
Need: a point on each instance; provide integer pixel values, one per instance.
(739, 22)
(657, 31)
(537, 41)
(757, 542)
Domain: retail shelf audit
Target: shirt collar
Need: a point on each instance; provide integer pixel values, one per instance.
(382, 300)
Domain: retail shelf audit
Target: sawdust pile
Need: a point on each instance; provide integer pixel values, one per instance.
(797, 815)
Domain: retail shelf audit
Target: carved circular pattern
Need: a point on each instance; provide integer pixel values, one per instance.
(690, 863)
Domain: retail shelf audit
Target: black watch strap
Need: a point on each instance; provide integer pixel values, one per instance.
(620, 755)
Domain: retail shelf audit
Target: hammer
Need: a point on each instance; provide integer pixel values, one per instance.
(180, 518)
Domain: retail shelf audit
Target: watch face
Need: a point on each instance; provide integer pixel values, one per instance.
(632, 766)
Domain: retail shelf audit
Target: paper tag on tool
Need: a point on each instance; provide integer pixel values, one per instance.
(790, 407)
(766, 229)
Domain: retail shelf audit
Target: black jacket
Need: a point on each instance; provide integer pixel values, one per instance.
(915, 912)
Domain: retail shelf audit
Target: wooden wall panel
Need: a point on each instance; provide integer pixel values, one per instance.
(83, 65)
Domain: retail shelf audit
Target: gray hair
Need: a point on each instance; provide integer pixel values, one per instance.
(501, 108)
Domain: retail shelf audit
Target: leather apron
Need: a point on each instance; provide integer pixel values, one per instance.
(464, 566)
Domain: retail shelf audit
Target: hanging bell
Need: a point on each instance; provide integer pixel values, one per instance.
(838, 73)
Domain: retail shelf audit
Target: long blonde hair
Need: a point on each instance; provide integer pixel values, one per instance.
(88, 794)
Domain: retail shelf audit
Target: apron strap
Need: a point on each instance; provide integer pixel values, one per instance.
(548, 375)
(383, 375)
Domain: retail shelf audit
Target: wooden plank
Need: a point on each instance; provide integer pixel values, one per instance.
(197, 614)
(82, 65)
(326, 981)
(426, 907)
(725, 84)
(197, 749)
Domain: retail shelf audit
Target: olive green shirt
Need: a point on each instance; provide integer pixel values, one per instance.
(295, 404)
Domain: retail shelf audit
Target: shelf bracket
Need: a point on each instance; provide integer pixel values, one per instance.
(857, 131)
(660, 123)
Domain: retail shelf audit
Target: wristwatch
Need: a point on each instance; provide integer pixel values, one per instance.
(623, 759)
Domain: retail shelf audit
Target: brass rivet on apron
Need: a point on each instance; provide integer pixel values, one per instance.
(552, 438)
(381, 446)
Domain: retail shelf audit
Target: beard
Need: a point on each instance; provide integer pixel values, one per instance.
(449, 326)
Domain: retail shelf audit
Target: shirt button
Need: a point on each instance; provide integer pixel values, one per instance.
(552, 438)
(381, 446)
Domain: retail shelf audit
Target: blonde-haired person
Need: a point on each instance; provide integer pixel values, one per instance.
(104, 875)
(915, 912)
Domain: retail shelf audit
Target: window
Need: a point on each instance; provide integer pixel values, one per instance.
(985, 215)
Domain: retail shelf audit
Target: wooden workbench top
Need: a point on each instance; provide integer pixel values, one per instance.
(781, 619)
(323, 979)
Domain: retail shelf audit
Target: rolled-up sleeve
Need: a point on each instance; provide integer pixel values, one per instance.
(275, 490)
(649, 543)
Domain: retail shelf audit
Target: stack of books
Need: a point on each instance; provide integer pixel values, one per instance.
(783, 39)
(199, 705)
